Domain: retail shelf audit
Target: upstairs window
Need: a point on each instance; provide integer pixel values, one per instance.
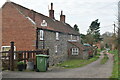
(57, 36)
(75, 51)
(41, 35)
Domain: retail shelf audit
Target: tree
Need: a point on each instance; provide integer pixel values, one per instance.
(76, 28)
(110, 40)
(87, 38)
(94, 26)
(94, 31)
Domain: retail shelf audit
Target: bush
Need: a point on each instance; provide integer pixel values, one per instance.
(115, 67)
(20, 63)
(105, 59)
(99, 50)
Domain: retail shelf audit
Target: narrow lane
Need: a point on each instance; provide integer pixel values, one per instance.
(93, 70)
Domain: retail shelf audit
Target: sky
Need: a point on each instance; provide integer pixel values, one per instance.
(80, 12)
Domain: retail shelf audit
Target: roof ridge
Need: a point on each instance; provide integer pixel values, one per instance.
(56, 24)
(30, 9)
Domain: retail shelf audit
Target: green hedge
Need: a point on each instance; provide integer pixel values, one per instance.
(115, 67)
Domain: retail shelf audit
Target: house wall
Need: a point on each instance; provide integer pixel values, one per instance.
(85, 55)
(79, 56)
(17, 28)
(51, 42)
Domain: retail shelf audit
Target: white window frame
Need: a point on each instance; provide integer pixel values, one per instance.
(7, 53)
(56, 49)
(78, 38)
(41, 35)
(57, 36)
(71, 37)
(75, 51)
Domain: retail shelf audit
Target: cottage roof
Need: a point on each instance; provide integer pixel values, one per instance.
(52, 24)
(77, 44)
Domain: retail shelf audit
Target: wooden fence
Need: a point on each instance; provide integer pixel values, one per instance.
(11, 57)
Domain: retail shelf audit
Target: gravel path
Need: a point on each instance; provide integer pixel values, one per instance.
(93, 70)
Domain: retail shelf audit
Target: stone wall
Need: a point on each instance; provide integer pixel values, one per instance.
(50, 42)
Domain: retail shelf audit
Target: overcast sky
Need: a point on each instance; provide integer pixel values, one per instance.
(80, 12)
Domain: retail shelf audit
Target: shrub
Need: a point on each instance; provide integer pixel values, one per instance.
(20, 63)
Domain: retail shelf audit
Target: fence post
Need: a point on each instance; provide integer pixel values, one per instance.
(12, 56)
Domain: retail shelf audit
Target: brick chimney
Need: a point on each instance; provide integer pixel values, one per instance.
(51, 12)
(31, 14)
(62, 17)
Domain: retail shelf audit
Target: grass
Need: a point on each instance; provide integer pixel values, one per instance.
(99, 50)
(115, 67)
(105, 59)
(75, 63)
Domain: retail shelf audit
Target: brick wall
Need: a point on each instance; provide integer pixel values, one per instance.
(17, 28)
(0, 27)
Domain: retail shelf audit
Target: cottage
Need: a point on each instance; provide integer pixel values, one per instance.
(31, 30)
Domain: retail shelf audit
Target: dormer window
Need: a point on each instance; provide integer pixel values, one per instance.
(44, 23)
(57, 36)
(41, 35)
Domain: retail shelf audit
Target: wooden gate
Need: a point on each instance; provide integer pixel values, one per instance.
(11, 57)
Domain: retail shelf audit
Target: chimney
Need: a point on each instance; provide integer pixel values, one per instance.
(31, 14)
(62, 17)
(51, 12)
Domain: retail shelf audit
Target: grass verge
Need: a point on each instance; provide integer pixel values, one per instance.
(115, 67)
(105, 59)
(75, 63)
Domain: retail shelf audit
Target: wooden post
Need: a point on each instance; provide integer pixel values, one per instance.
(25, 58)
(12, 57)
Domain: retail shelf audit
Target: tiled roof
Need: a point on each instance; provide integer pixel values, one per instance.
(77, 44)
(52, 24)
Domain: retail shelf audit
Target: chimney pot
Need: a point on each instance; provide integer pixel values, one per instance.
(62, 17)
(51, 12)
(51, 6)
(61, 12)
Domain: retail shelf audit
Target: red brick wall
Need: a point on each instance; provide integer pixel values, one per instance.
(17, 28)
(0, 27)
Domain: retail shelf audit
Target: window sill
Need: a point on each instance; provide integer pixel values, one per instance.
(41, 40)
(57, 40)
(75, 55)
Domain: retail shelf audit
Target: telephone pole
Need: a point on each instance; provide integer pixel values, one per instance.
(119, 39)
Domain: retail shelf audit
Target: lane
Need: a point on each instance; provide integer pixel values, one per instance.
(93, 70)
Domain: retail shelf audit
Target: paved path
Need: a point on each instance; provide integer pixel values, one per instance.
(93, 70)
